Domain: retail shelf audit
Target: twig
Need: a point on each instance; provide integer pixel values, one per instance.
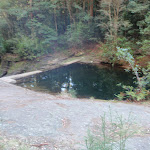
(40, 145)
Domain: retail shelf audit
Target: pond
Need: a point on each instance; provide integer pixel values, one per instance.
(81, 80)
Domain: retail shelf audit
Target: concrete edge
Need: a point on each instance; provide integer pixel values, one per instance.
(13, 78)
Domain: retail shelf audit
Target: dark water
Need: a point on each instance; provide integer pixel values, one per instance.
(81, 80)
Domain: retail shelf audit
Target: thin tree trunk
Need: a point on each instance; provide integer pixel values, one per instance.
(77, 8)
(31, 14)
(55, 17)
(91, 7)
(88, 6)
(69, 10)
(110, 18)
(9, 24)
(84, 3)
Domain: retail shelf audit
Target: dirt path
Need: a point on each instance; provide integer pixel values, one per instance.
(62, 123)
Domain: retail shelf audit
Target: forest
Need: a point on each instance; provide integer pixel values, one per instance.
(30, 28)
(33, 28)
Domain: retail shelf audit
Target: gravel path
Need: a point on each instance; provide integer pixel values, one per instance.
(61, 122)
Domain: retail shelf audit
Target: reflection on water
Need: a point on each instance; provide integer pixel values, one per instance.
(81, 80)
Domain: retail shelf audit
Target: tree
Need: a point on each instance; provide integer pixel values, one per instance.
(64, 23)
(110, 11)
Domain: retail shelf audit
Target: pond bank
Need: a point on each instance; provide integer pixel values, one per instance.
(61, 122)
(64, 62)
(12, 65)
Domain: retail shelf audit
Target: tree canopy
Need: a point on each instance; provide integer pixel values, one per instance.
(30, 28)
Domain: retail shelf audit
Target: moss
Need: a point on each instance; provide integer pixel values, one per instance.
(70, 60)
(11, 58)
(18, 67)
(1, 71)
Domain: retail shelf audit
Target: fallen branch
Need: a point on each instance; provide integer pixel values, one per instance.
(40, 145)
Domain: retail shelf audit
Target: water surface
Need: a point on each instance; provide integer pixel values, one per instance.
(81, 80)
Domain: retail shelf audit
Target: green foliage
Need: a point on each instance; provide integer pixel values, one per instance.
(109, 48)
(109, 52)
(110, 134)
(133, 26)
(137, 12)
(78, 34)
(145, 46)
(111, 20)
(2, 49)
(141, 92)
(43, 32)
(133, 94)
(28, 48)
(145, 32)
(73, 93)
(120, 96)
(10, 45)
(124, 42)
(57, 24)
(62, 42)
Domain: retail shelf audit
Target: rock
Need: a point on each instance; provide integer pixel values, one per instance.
(3, 74)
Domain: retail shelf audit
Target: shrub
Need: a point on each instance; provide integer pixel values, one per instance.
(10, 45)
(2, 49)
(141, 92)
(109, 48)
(28, 48)
(62, 42)
(133, 94)
(145, 47)
(78, 34)
(109, 52)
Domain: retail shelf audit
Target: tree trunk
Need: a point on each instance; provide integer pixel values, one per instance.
(84, 3)
(91, 7)
(31, 14)
(77, 8)
(69, 10)
(55, 17)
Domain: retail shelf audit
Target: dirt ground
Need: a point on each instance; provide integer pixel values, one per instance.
(58, 123)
